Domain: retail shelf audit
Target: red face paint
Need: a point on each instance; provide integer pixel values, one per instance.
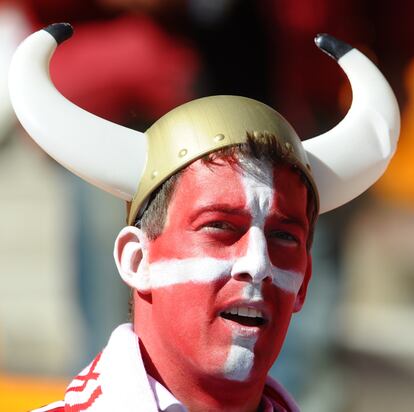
(218, 213)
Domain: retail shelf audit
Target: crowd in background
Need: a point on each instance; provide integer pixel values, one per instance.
(351, 349)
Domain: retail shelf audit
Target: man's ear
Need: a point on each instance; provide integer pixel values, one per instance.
(300, 297)
(130, 254)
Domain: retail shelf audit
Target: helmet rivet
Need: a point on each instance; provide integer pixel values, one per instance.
(154, 174)
(182, 152)
(219, 137)
(289, 146)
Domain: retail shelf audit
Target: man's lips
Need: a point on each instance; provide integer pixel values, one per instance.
(253, 314)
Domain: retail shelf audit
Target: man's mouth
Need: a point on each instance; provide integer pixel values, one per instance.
(244, 316)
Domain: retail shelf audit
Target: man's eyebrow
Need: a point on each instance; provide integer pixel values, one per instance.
(220, 207)
(292, 220)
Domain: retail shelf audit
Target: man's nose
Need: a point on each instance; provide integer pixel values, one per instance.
(255, 265)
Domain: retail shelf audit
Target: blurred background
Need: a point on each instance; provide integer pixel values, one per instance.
(351, 349)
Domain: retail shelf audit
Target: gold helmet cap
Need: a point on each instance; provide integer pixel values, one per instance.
(206, 125)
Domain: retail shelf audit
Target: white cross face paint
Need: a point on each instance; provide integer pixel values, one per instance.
(204, 270)
(202, 300)
(259, 192)
(240, 359)
(252, 292)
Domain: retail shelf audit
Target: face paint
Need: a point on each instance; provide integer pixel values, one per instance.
(240, 358)
(204, 270)
(232, 242)
(253, 292)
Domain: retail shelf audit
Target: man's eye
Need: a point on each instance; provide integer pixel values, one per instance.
(286, 237)
(219, 226)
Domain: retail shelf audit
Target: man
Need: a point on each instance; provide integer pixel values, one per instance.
(223, 197)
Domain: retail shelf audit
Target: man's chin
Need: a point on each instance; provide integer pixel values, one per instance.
(240, 359)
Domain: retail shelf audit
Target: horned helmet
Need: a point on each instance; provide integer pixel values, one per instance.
(340, 164)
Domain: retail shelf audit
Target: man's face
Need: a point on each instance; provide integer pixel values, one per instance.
(230, 268)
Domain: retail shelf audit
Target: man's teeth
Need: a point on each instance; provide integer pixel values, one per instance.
(243, 311)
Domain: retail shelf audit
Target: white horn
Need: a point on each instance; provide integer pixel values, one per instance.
(13, 28)
(349, 158)
(103, 153)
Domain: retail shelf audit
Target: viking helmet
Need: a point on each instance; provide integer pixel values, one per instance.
(340, 164)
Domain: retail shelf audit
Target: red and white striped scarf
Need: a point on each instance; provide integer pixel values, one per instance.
(116, 380)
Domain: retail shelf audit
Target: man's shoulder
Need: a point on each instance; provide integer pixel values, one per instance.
(58, 406)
